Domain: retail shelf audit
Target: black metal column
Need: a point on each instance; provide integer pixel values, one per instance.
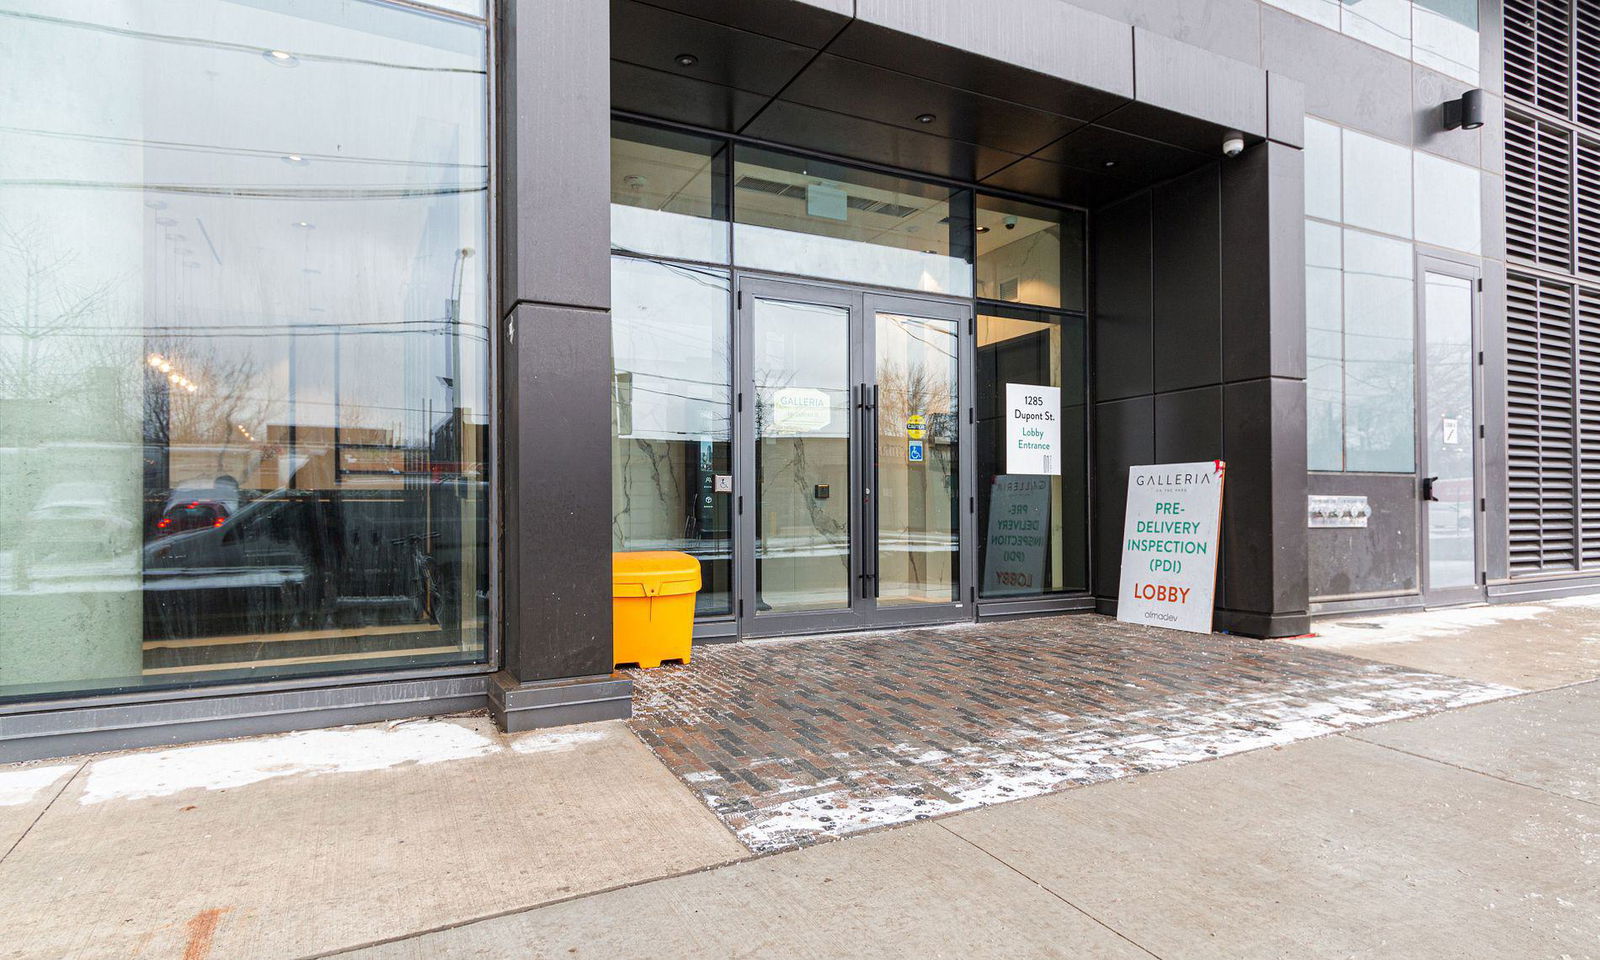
(554, 101)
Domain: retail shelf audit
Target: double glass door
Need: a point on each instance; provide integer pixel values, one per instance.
(851, 478)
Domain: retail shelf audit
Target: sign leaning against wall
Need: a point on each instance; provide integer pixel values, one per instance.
(1169, 545)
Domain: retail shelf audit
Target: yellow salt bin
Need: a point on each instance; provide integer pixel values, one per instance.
(652, 606)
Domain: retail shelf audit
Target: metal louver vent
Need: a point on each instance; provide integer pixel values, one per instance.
(1587, 208)
(1539, 53)
(1541, 435)
(1588, 343)
(1586, 60)
(1538, 193)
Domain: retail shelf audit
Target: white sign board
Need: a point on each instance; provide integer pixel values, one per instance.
(1169, 545)
(1033, 429)
(1019, 533)
(799, 410)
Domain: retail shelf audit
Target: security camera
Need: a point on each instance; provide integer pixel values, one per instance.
(1233, 145)
(1010, 223)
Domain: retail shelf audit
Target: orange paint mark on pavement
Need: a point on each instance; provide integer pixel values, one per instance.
(202, 927)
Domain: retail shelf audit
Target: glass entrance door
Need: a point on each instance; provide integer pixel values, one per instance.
(851, 478)
(1448, 435)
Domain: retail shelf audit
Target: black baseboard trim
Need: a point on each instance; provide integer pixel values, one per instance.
(1523, 591)
(519, 706)
(1408, 603)
(61, 732)
(1018, 609)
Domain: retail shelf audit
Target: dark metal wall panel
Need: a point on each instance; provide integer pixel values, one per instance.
(1120, 249)
(1186, 288)
(558, 493)
(1264, 502)
(1263, 264)
(1379, 559)
(1187, 80)
(1188, 425)
(1124, 437)
(1349, 82)
(555, 134)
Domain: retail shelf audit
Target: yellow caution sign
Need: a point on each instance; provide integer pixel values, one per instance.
(916, 426)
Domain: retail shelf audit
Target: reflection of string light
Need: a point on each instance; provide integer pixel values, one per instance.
(247, 434)
(164, 365)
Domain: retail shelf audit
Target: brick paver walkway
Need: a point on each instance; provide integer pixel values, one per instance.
(794, 741)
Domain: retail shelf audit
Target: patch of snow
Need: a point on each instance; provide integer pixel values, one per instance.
(555, 741)
(22, 786)
(1337, 633)
(219, 766)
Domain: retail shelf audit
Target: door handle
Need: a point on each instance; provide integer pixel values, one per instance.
(1427, 488)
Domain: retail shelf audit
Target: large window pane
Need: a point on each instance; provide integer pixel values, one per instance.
(243, 342)
(1380, 350)
(1324, 348)
(1383, 23)
(1322, 157)
(806, 216)
(1449, 212)
(1445, 37)
(1029, 254)
(1377, 184)
(672, 417)
(1032, 529)
(668, 193)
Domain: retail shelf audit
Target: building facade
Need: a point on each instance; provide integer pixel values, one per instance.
(342, 345)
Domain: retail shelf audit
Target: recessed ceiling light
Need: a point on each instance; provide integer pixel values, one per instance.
(686, 59)
(982, 229)
(305, 225)
(281, 58)
(926, 118)
(295, 160)
(1110, 163)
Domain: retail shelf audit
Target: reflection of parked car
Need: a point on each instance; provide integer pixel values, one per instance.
(307, 559)
(195, 506)
(78, 520)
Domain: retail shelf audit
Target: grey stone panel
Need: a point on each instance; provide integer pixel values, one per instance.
(1378, 559)
(1263, 264)
(1286, 110)
(1349, 82)
(1430, 91)
(1230, 28)
(1195, 83)
(1264, 500)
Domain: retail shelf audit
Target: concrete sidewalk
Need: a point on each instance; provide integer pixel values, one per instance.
(1419, 839)
(1471, 832)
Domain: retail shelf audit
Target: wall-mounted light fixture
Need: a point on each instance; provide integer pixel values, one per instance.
(1465, 113)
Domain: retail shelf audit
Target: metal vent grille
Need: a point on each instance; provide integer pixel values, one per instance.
(1541, 463)
(1589, 428)
(1539, 53)
(1587, 187)
(1586, 33)
(1538, 193)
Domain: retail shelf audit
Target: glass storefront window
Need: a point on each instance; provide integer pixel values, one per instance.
(1380, 355)
(1377, 184)
(668, 194)
(672, 417)
(1032, 529)
(1322, 159)
(1449, 213)
(244, 350)
(802, 215)
(1029, 254)
(1324, 347)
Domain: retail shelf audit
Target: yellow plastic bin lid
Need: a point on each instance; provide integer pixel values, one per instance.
(654, 573)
